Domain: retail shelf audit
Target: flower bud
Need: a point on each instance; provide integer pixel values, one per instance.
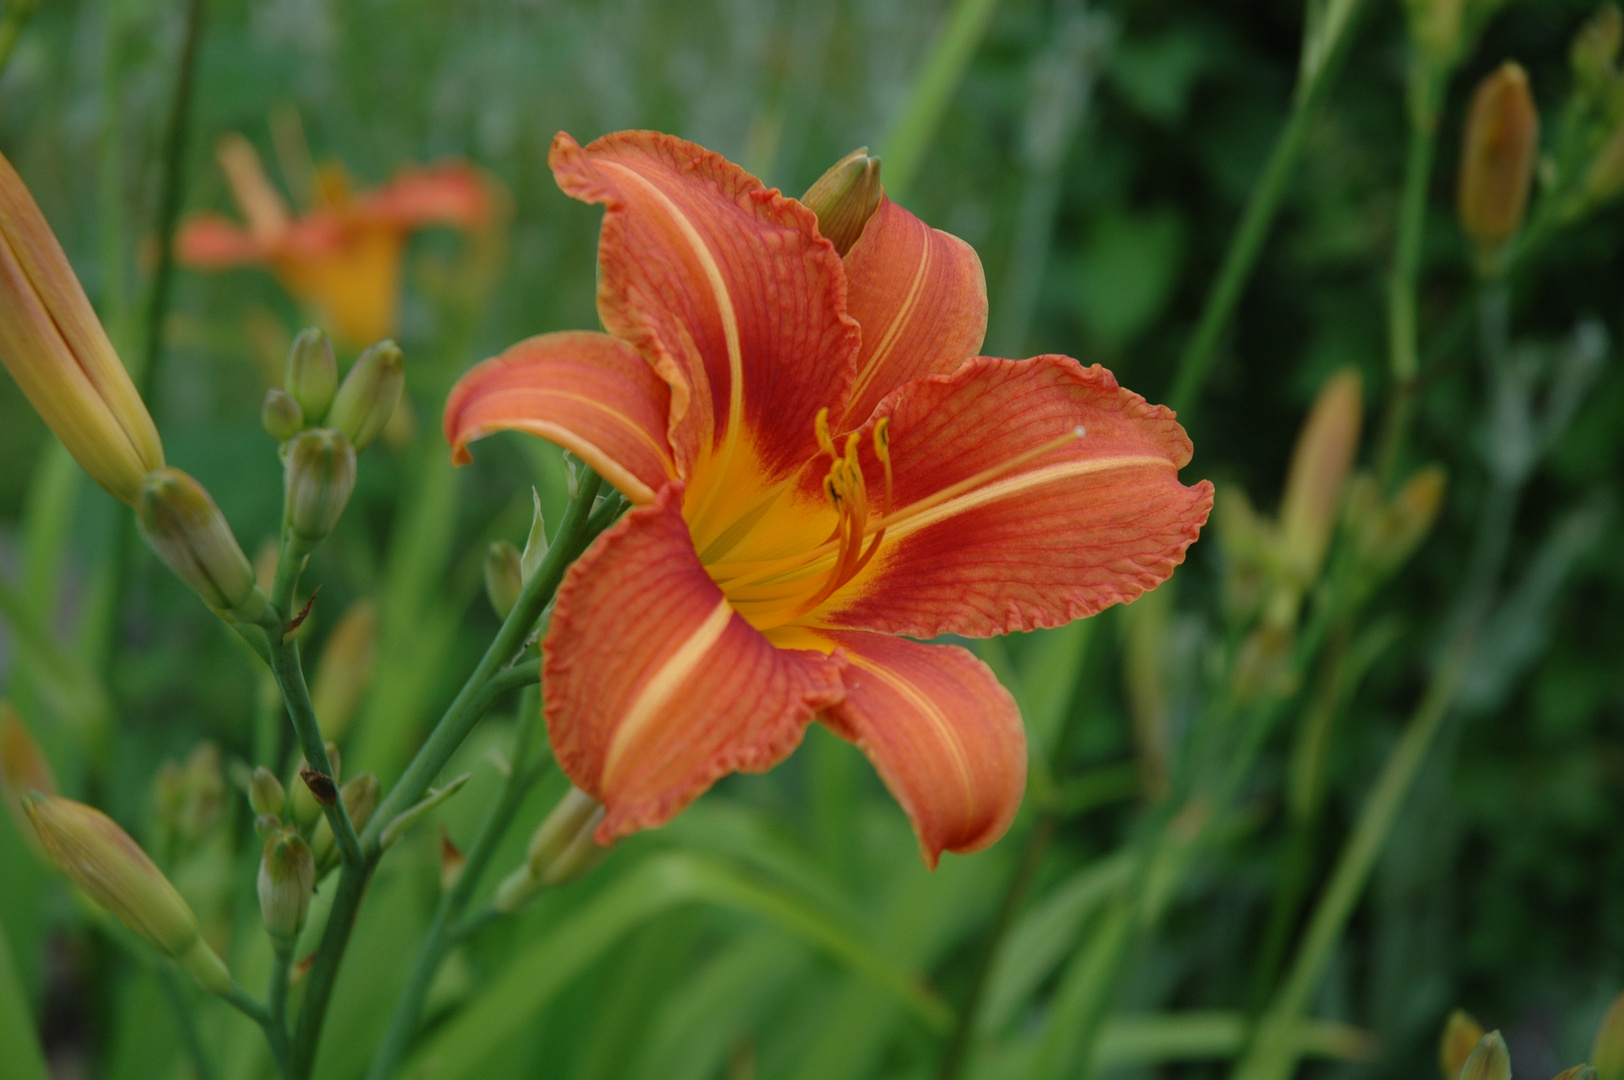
(1607, 1053)
(452, 862)
(1605, 176)
(369, 394)
(23, 767)
(504, 577)
(344, 672)
(535, 545)
(111, 868)
(561, 850)
(1461, 1034)
(361, 796)
(1319, 471)
(303, 806)
(56, 349)
(280, 415)
(1489, 1060)
(312, 374)
(319, 476)
(845, 197)
(1497, 162)
(287, 876)
(266, 793)
(1577, 1072)
(1595, 48)
(185, 528)
(1384, 534)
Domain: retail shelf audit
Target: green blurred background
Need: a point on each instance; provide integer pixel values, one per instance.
(1098, 158)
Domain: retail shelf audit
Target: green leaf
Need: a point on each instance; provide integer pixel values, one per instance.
(20, 1054)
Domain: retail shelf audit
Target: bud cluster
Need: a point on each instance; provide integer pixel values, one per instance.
(561, 850)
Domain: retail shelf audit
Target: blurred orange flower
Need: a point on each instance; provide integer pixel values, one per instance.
(343, 256)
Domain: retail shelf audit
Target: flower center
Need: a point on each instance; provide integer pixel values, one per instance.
(773, 592)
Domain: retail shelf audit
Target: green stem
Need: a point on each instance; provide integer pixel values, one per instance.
(243, 1002)
(1322, 48)
(186, 1022)
(454, 901)
(290, 678)
(352, 884)
(1403, 333)
(276, 996)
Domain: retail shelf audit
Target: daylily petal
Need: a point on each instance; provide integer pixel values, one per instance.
(946, 738)
(590, 393)
(655, 687)
(450, 193)
(351, 275)
(921, 299)
(983, 542)
(732, 295)
(213, 242)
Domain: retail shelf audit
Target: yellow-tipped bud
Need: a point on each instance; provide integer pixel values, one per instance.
(1461, 1033)
(845, 197)
(504, 577)
(266, 794)
(361, 796)
(287, 876)
(561, 850)
(1489, 1060)
(1607, 1053)
(56, 349)
(99, 857)
(185, 528)
(369, 394)
(318, 475)
(1498, 154)
(280, 415)
(1384, 534)
(344, 672)
(1319, 471)
(312, 374)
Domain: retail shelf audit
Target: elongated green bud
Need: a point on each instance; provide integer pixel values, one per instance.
(266, 793)
(504, 577)
(561, 850)
(318, 476)
(100, 858)
(361, 795)
(303, 806)
(312, 376)
(185, 529)
(369, 394)
(345, 670)
(1489, 1060)
(280, 415)
(287, 876)
(1461, 1034)
(535, 545)
(845, 197)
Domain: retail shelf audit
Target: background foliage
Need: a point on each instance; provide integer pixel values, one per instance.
(1098, 158)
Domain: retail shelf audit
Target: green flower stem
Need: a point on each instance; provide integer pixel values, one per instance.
(454, 901)
(243, 1002)
(285, 665)
(276, 996)
(1403, 333)
(1322, 48)
(169, 981)
(574, 533)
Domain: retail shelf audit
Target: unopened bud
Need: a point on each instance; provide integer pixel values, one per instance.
(319, 476)
(535, 545)
(202, 792)
(1595, 48)
(185, 529)
(287, 875)
(369, 394)
(266, 793)
(312, 376)
(504, 577)
(561, 850)
(303, 806)
(23, 767)
(452, 862)
(1384, 534)
(1497, 163)
(361, 795)
(280, 415)
(345, 670)
(1461, 1034)
(1607, 1053)
(1605, 176)
(99, 857)
(1319, 470)
(1489, 1060)
(1577, 1072)
(845, 197)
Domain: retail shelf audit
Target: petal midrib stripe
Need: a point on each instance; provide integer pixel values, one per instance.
(659, 688)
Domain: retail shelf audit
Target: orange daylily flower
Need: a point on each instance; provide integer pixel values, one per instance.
(344, 255)
(824, 469)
